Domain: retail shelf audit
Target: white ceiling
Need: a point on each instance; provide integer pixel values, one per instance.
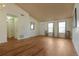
(48, 11)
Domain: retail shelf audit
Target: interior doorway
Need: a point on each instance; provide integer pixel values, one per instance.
(11, 28)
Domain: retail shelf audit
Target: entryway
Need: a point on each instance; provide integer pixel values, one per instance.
(11, 27)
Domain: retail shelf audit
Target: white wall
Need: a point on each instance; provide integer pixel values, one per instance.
(3, 32)
(23, 22)
(43, 26)
(22, 25)
(25, 30)
(76, 31)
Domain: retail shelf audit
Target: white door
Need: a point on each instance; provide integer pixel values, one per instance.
(61, 29)
(50, 29)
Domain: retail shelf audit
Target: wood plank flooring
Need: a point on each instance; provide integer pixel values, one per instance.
(38, 46)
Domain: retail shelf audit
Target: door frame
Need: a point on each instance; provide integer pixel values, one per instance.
(13, 25)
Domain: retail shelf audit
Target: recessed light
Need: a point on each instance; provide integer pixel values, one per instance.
(3, 5)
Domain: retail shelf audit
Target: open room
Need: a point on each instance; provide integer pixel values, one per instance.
(39, 29)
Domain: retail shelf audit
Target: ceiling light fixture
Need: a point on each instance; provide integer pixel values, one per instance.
(2, 6)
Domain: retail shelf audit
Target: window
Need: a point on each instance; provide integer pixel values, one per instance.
(50, 27)
(62, 27)
(32, 26)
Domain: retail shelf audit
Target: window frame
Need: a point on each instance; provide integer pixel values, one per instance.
(52, 27)
(65, 27)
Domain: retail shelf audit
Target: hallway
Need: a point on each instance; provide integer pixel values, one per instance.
(38, 46)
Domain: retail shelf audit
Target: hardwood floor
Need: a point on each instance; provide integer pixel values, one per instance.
(38, 46)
